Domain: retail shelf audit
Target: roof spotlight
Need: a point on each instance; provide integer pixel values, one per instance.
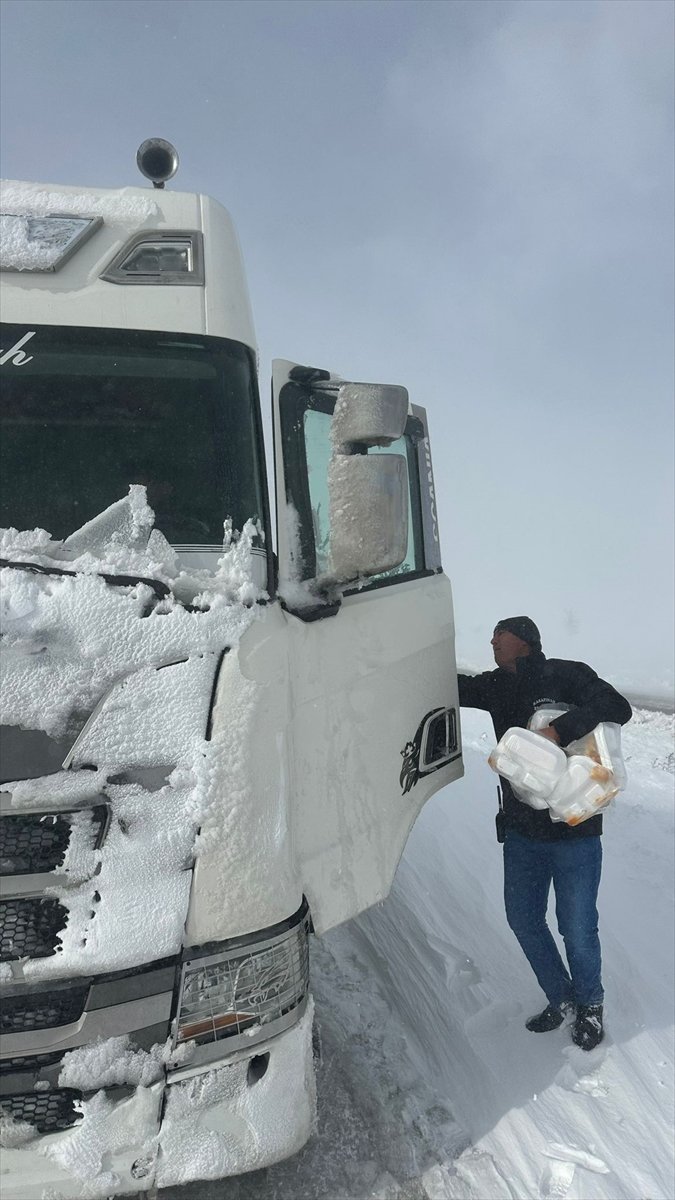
(157, 160)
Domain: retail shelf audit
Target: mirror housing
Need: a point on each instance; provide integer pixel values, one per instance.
(368, 497)
(369, 414)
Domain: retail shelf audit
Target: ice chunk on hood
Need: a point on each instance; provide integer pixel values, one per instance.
(127, 522)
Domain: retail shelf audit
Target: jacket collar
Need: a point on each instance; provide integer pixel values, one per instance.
(525, 666)
(529, 663)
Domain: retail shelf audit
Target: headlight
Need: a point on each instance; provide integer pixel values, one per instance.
(254, 990)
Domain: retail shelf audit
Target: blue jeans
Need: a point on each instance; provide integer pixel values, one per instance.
(573, 867)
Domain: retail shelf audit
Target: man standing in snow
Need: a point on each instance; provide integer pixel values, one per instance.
(537, 850)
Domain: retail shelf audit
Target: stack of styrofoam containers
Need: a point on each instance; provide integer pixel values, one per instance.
(532, 764)
(595, 774)
(574, 783)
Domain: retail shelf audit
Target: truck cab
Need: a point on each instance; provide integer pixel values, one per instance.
(216, 734)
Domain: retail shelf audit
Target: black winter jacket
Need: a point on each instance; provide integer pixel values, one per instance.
(512, 698)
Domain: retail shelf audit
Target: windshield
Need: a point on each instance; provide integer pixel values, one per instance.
(86, 412)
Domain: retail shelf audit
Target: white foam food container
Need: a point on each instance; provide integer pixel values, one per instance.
(531, 763)
(543, 717)
(585, 788)
(603, 745)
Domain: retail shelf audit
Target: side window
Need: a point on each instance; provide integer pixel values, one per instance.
(316, 429)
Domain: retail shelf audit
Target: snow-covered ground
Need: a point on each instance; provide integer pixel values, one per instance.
(430, 1088)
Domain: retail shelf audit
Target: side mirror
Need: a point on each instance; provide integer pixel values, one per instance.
(368, 414)
(344, 504)
(368, 494)
(368, 499)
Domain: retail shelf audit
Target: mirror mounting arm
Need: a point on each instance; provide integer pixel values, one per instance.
(313, 612)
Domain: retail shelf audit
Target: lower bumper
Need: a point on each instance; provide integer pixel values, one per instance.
(229, 1119)
(96, 1158)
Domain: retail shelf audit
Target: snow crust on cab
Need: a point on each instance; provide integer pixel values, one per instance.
(113, 1062)
(120, 207)
(146, 666)
(72, 642)
(215, 1125)
(21, 201)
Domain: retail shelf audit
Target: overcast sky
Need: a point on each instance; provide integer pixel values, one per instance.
(473, 199)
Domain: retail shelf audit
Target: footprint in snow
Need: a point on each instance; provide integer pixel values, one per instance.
(588, 1084)
(556, 1181)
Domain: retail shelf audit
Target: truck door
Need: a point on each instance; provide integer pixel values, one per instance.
(373, 721)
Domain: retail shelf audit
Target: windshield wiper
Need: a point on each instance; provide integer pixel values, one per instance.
(161, 590)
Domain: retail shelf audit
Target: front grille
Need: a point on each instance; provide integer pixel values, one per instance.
(31, 1062)
(47, 1111)
(42, 1010)
(36, 843)
(32, 844)
(30, 928)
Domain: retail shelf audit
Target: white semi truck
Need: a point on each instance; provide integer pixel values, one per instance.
(210, 748)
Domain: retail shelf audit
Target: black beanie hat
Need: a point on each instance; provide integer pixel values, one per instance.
(524, 628)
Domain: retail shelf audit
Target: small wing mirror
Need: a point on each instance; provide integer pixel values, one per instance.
(369, 414)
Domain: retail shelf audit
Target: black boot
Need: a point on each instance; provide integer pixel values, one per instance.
(588, 1031)
(551, 1018)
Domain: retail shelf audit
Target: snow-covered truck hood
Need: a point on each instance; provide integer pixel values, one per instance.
(99, 655)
